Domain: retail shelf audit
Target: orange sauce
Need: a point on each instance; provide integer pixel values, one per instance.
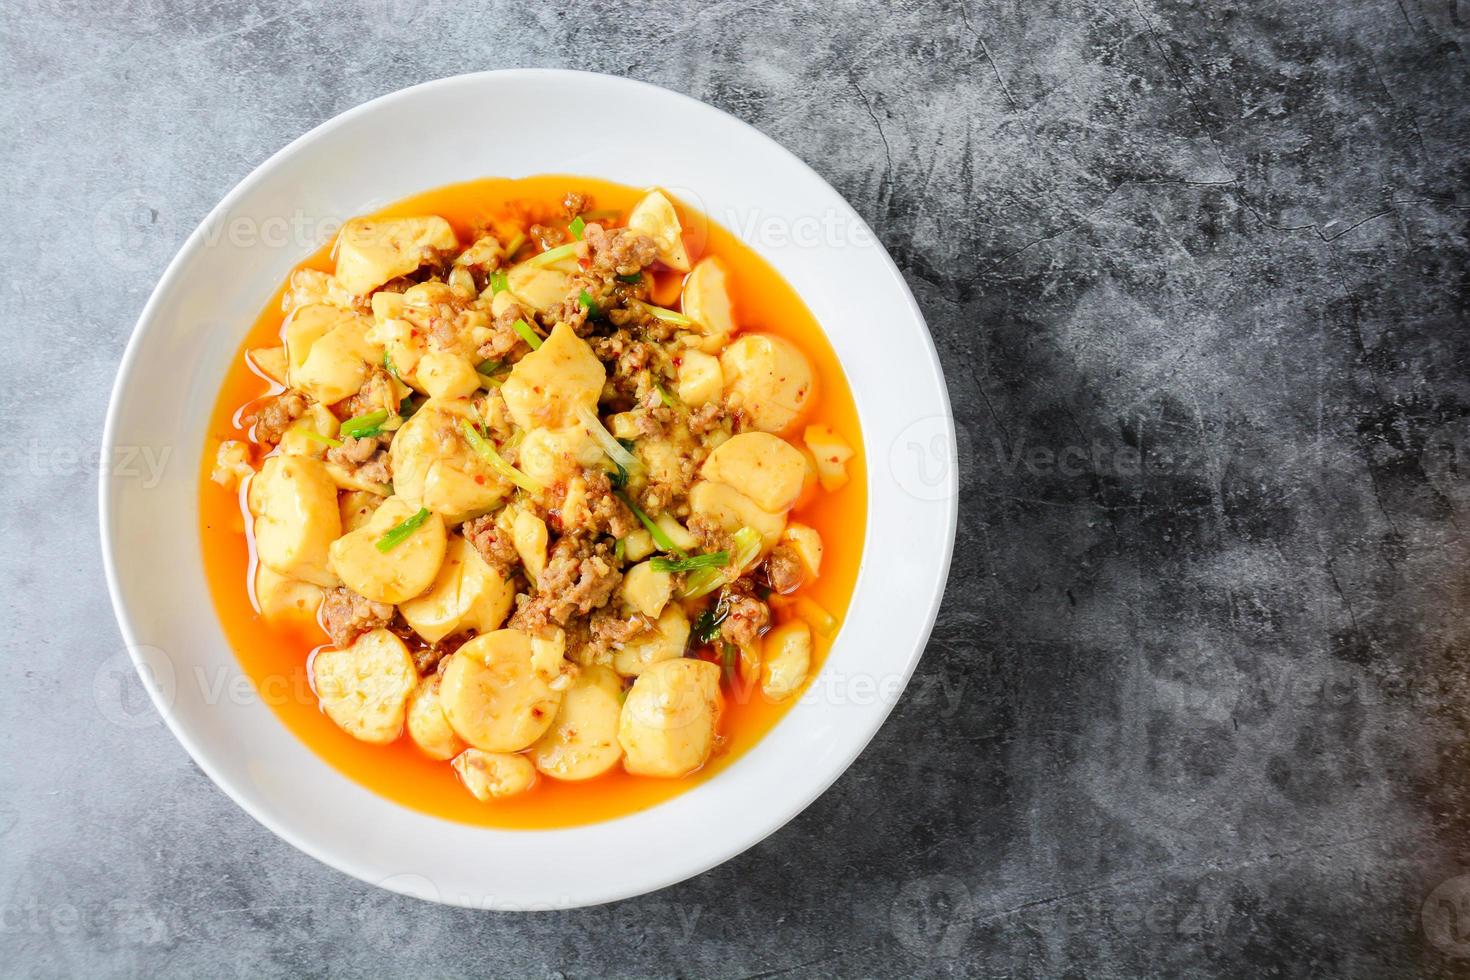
(274, 655)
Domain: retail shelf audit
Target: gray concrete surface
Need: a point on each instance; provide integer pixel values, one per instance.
(1197, 701)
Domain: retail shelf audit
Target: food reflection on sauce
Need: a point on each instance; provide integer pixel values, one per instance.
(532, 503)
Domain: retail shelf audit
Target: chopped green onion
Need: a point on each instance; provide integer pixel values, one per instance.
(514, 245)
(706, 580)
(620, 550)
(408, 406)
(497, 462)
(362, 426)
(399, 532)
(604, 439)
(728, 653)
(554, 255)
(388, 364)
(715, 559)
(665, 397)
(635, 278)
(499, 282)
(487, 371)
(707, 624)
(668, 316)
(618, 479)
(747, 547)
(577, 227)
(702, 582)
(661, 539)
(316, 436)
(527, 334)
(585, 302)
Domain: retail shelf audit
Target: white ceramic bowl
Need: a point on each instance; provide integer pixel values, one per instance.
(452, 130)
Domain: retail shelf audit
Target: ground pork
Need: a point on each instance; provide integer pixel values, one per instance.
(483, 257)
(365, 459)
(426, 658)
(354, 450)
(492, 544)
(617, 251)
(657, 421)
(623, 305)
(711, 536)
(345, 616)
(575, 203)
(443, 330)
(571, 311)
(706, 418)
(784, 571)
(608, 630)
(503, 338)
(375, 395)
(635, 316)
(630, 355)
(276, 416)
(606, 513)
(547, 236)
(579, 577)
(656, 498)
(630, 367)
(746, 617)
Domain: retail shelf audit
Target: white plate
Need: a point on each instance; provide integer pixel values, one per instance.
(454, 130)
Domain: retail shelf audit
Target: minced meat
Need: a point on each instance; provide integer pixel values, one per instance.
(277, 415)
(579, 577)
(784, 570)
(618, 251)
(747, 617)
(492, 544)
(364, 459)
(345, 616)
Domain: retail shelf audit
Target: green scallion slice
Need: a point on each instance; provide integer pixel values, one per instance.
(514, 245)
(527, 334)
(399, 532)
(362, 426)
(661, 539)
(615, 450)
(635, 278)
(499, 282)
(707, 626)
(585, 301)
(491, 373)
(316, 436)
(705, 580)
(497, 462)
(577, 227)
(715, 559)
(666, 315)
(554, 255)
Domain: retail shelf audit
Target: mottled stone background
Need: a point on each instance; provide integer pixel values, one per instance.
(1197, 699)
